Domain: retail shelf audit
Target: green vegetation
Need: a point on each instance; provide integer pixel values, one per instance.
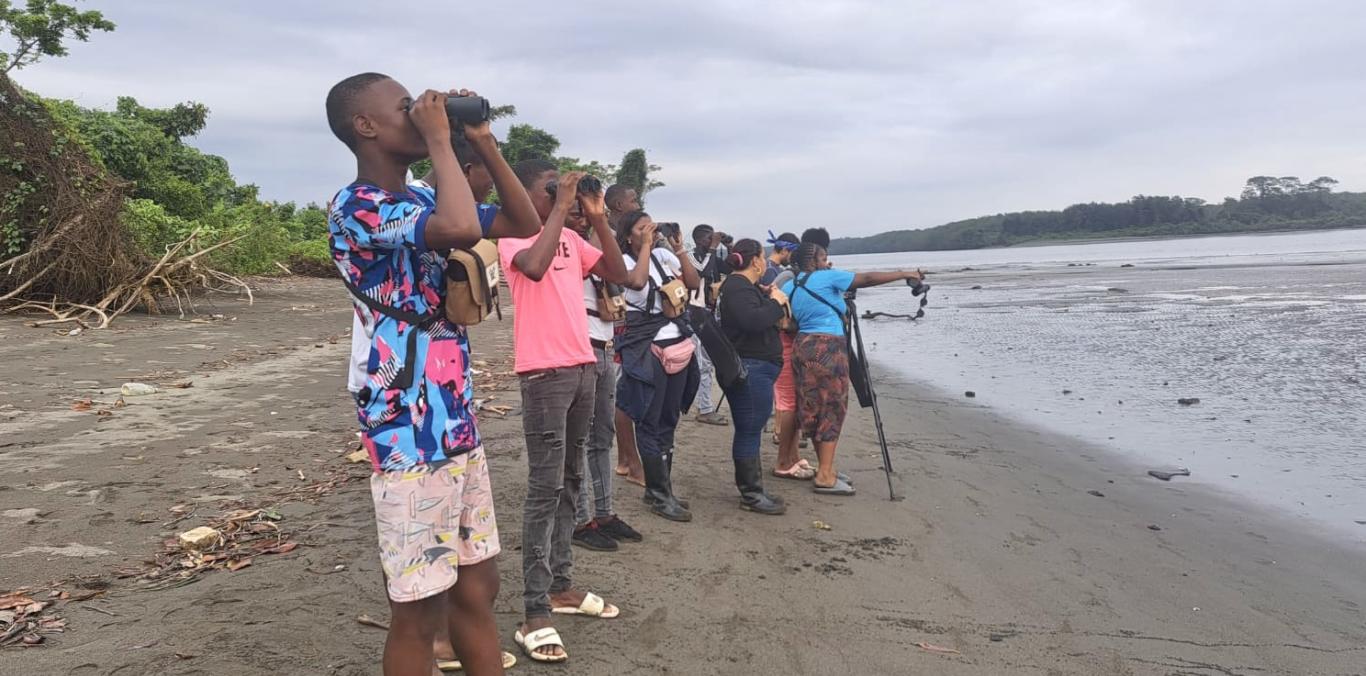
(526, 142)
(175, 190)
(42, 28)
(1266, 203)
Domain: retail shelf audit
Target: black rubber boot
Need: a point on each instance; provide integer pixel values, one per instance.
(670, 462)
(748, 478)
(658, 495)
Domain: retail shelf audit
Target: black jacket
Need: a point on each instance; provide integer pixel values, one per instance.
(642, 376)
(750, 320)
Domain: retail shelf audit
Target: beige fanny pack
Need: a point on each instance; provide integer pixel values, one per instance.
(472, 278)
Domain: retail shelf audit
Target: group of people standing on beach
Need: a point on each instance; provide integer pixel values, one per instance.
(588, 375)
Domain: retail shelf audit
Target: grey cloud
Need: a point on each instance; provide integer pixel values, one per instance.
(861, 116)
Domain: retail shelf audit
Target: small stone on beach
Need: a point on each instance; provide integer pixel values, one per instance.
(1187, 401)
(1154, 527)
(970, 394)
(1096, 493)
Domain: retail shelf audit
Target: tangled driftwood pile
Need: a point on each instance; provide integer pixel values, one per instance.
(69, 255)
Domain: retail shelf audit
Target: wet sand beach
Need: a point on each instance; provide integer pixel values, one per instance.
(1015, 551)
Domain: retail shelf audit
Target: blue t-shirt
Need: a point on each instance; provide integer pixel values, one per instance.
(770, 273)
(812, 315)
(378, 243)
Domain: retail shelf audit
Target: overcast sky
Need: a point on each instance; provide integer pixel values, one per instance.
(858, 116)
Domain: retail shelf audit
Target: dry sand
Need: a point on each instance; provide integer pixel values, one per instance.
(998, 551)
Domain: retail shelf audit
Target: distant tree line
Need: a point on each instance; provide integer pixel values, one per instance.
(1266, 203)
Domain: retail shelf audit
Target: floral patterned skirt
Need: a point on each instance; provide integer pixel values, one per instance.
(821, 364)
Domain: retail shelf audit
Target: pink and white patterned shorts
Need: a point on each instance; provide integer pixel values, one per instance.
(431, 521)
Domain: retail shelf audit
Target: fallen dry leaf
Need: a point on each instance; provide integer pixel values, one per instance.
(939, 649)
(183, 386)
(242, 515)
(82, 405)
(821, 525)
(14, 600)
(238, 564)
(281, 549)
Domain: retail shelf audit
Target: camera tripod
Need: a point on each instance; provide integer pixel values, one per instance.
(870, 400)
(867, 395)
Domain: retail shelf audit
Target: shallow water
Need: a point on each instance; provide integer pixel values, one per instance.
(1267, 331)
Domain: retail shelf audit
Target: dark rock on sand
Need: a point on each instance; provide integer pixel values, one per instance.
(1127, 265)
(970, 394)
(1067, 391)
(975, 288)
(1167, 474)
(1154, 527)
(1188, 401)
(1096, 493)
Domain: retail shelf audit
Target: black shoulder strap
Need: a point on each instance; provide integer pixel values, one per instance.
(800, 283)
(387, 310)
(598, 287)
(403, 379)
(664, 276)
(651, 288)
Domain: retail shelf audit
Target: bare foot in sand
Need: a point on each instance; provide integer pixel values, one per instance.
(634, 475)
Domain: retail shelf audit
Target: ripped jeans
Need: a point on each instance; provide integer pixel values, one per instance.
(557, 408)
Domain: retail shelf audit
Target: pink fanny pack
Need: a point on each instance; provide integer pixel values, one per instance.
(674, 358)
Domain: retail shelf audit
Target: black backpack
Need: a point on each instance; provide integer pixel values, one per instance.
(730, 370)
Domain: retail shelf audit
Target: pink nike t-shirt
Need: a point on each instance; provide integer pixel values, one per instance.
(549, 326)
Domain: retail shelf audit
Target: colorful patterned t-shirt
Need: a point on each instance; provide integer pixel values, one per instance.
(416, 407)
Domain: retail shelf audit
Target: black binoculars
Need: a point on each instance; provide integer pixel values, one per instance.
(668, 230)
(588, 185)
(467, 110)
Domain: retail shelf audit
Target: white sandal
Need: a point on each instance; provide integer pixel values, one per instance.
(539, 639)
(592, 606)
(509, 661)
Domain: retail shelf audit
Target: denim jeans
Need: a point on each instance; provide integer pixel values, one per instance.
(705, 373)
(557, 406)
(601, 436)
(751, 404)
(655, 431)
